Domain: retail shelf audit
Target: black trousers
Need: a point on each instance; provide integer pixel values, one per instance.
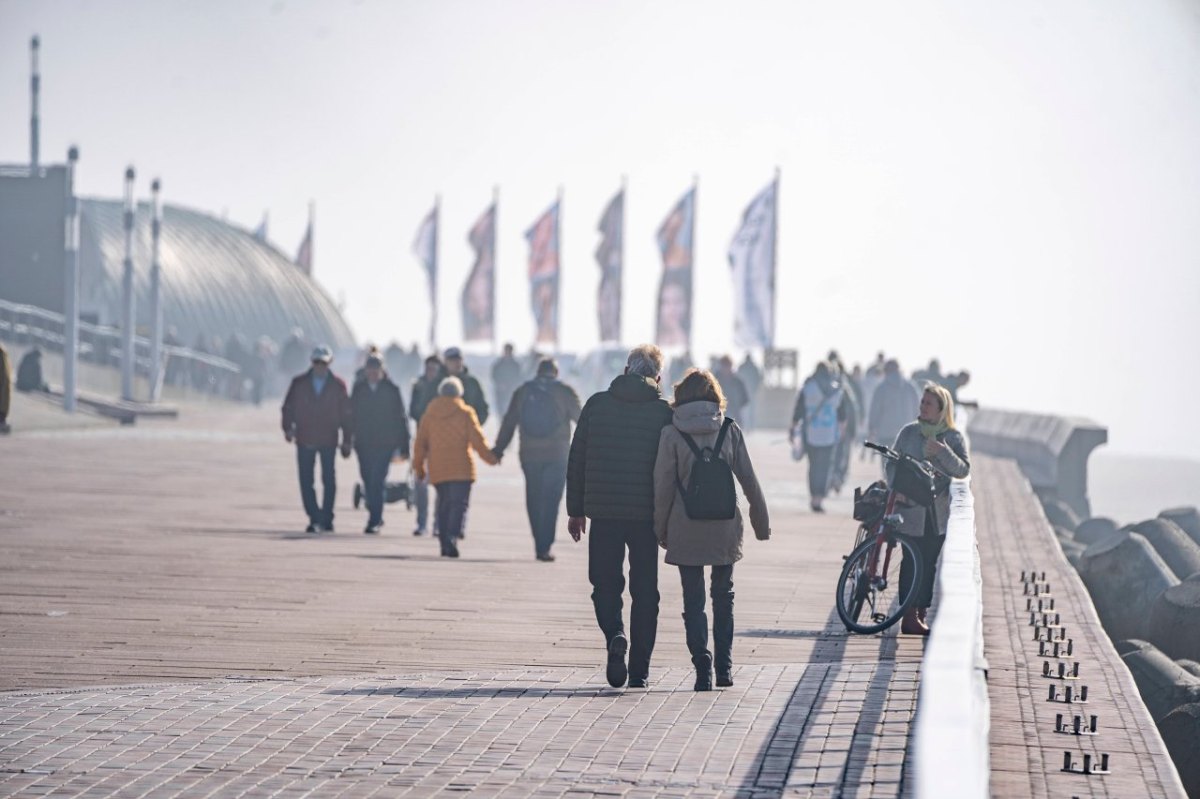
(930, 546)
(695, 622)
(373, 465)
(453, 497)
(306, 459)
(607, 542)
(820, 463)
(544, 483)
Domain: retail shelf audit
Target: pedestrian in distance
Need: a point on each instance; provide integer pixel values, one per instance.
(752, 378)
(894, 404)
(315, 410)
(818, 421)
(932, 438)
(29, 372)
(506, 377)
(543, 410)
(6, 382)
(696, 515)
(737, 396)
(380, 431)
(424, 391)
(448, 431)
(610, 479)
(472, 391)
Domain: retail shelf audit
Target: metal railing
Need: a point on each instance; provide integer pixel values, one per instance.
(99, 344)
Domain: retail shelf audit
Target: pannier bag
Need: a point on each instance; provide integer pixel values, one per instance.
(869, 503)
(915, 481)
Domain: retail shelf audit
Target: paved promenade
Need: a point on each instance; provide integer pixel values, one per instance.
(166, 630)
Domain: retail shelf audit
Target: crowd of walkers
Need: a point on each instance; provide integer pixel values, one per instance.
(645, 473)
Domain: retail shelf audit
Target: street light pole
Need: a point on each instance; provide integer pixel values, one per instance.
(156, 310)
(71, 279)
(129, 299)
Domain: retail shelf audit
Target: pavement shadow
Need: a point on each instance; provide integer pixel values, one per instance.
(773, 763)
(529, 692)
(428, 558)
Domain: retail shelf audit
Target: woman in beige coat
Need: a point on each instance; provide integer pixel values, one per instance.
(692, 544)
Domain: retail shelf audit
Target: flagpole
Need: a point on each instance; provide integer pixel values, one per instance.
(559, 277)
(774, 258)
(692, 266)
(433, 287)
(312, 214)
(621, 253)
(495, 259)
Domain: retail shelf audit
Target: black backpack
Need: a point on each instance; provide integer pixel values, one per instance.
(710, 493)
(541, 414)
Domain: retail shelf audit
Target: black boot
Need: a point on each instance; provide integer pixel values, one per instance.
(723, 639)
(704, 672)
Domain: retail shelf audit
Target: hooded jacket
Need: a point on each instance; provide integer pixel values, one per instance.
(547, 449)
(448, 431)
(610, 468)
(696, 542)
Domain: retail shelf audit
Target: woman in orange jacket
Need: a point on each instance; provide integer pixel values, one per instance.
(449, 430)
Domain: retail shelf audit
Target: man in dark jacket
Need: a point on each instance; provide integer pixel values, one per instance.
(472, 391)
(424, 390)
(506, 377)
(380, 430)
(543, 410)
(315, 409)
(610, 478)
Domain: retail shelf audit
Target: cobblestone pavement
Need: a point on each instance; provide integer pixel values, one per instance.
(166, 630)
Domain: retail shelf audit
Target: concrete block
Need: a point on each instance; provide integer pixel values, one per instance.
(1125, 576)
(1181, 553)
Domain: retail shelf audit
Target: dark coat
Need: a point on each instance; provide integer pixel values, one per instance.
(547, 449)
(423, 392)
(315, 420)
(379, 419)
(473, 394)
(610, 470)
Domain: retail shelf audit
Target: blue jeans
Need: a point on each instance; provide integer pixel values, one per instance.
(306, 458)
(544, 484)
(373, 466)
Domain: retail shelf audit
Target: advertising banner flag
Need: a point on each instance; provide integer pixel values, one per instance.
(752, 261)
(544, 265)
(676, 237)
(479, 293)
(610, 256)
(425, 248)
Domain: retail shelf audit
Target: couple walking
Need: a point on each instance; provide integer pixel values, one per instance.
(651, 474)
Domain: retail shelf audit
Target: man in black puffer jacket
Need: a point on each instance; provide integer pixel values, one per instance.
(610, 478)
(380, 430)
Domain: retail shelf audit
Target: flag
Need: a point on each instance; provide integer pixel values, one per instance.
(543, 274)
(479, 294)
(675, 239)
(425, 248)
(752, 261)
(304, 256)
(260, 232)
(609, 255)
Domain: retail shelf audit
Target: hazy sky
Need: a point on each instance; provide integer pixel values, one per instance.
(1013, 187)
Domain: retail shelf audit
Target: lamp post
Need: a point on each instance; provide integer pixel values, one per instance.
(156, 311)
(71, 281)
(35, 88)
(129, 299)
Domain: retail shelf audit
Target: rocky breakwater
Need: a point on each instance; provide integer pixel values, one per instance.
(1143, 576)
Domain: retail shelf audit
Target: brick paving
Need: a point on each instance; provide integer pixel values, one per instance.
(1026, 752)
(166, 630)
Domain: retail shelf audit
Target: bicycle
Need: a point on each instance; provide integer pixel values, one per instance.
(870, 578)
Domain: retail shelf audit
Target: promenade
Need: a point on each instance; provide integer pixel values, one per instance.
(167, 630)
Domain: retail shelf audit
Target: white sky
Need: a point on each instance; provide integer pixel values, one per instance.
(1013, 187)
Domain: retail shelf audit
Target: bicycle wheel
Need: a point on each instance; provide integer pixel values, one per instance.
(871, 600)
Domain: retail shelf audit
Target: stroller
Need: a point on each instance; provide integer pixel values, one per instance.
(393, 491)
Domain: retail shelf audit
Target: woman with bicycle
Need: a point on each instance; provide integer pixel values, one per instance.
(932, 438)
(697, 518)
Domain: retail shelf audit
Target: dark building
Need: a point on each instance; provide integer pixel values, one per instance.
(217, 279)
